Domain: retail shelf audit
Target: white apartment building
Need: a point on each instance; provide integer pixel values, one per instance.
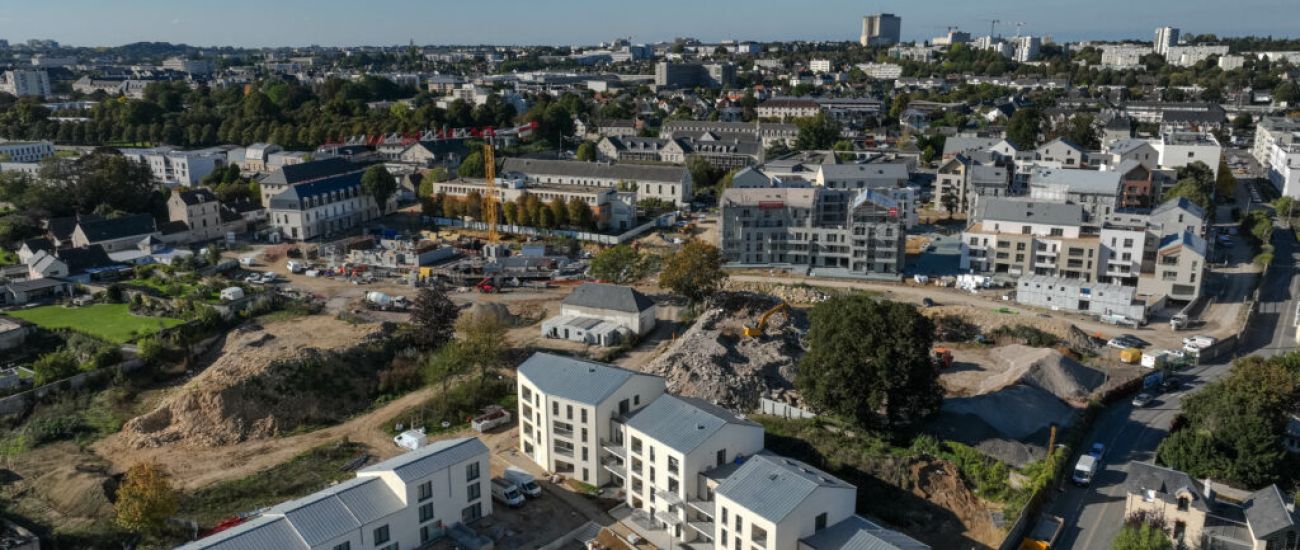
(25, 83)
(1186, 56)
(1179, 149)
(1166, 37)
(820, 65)
(1277, 148)
(1026, 48)
(669, 449)
(1123, 56)
(25, 151)
(173, 167)
(324, 208)
(772, 502)
(882, 71)
(405, 502)
(668, 183)
(571, 410)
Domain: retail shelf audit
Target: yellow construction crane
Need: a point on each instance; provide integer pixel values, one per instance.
(757, 330)
(490, 196)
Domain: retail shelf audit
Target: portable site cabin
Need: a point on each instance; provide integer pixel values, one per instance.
(231, 294)
(411, 439)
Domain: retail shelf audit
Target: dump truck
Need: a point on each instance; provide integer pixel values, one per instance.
(1044, 535)
(942, 357)
(492, 417)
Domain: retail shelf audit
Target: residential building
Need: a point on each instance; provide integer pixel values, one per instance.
(668, 451)
(1277, 148)
(882, 71)
(114, 234)
(1089, 298)
(1123, 56)
(1021, 237)
(1199, 117)
(201, 67)
(29, 152)
(1205, 514)
(427, 154)
(820, 65)
(572, 412)
(30, 291)
(725, 153)
(408, 501)
(881, 29)
(1179, 268)
(1026, 48)
(668, 183)
(296, 174)
(1098, 192)
(602, 314)
(324, 207)
(691, 75)
(967, 180)
(173, 167)
(768, 134)
(612, 209)
(25, 83)
(888, 179)
(1179, 149)
(852, 113)
(1062, 153)
(1231, 62)
(786, 108)
(1187, 56)
(257, 156)
(1166, 38)
(204, 217)
(771, 502)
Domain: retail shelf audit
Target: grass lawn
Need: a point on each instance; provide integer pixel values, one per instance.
(112, 322)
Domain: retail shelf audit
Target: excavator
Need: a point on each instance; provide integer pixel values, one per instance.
(757, 330)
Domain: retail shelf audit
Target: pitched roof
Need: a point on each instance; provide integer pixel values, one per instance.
(118, 228)
(1266, 512)
(772, 486)
(81, 259)
(292, 174)
(875, 170)
(1092, 182)
(257, 534)
(595, 170)
(683, 423)
(39, 243)
(197, 195)
(859, 533)
(615, 297)
(1185, 239)
(62, 228)
(292, 197)
(1181, 203)
(959, 144)
(574, 379)
(1012, 210)
(1144, 476)
(431, 458)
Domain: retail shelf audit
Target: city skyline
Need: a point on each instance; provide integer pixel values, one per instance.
(244, 23)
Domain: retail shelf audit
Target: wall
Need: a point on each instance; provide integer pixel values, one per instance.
(585, 236)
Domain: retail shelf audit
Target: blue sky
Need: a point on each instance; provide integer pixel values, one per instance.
(564, 22)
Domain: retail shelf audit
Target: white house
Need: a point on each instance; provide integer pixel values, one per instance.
(602, 314)
(570, 409)
(404, 502)
(772, 502)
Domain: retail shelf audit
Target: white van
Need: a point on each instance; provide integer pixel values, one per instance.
(506, 493)
(524, 481)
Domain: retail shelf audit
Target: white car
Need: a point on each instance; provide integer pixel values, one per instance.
(1176, 353)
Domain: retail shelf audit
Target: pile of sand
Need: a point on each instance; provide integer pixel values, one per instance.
(1045, 369)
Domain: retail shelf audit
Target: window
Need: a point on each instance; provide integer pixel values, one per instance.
(381, 534)
(343, 546)
(426, 512)
(758, 535)
(474, 491)
(471, 471)
(584, 416)
(1057, 232)
(724, 516)
(1182, 503)
(426, 491)
(429, 532)
(568, 411)
(471, 513)
(555, 408)
(740, 523)
(722, 457)
(820, 522)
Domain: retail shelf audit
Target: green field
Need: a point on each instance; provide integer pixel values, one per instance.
(112, 322)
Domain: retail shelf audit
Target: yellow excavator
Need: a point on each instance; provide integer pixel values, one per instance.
(757, 330)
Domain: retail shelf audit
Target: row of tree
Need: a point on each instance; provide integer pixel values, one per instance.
(527, 210)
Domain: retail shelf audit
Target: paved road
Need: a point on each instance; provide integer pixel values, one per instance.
(1095, 514)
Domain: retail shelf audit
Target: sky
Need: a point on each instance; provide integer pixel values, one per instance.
(257, 23)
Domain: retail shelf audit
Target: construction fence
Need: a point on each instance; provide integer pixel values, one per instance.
(663, 220)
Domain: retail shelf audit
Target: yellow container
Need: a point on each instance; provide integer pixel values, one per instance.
(1130, 355)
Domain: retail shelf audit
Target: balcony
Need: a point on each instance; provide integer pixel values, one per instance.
(703, 527)
(705, 507)
(668, 518)
(564, 451)
(615, 467)
(669, 497)
(562, 432)
(616, 449)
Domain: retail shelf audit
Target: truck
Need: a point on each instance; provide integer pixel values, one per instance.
(492, 417)
(1085, 469)
(524, 481)
(384, 302)
(1044, 535)
(506, 493)
(295, 266)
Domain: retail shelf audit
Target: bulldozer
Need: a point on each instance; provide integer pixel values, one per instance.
(757, 330)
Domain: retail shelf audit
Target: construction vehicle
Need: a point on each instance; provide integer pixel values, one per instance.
(942, 357)
(486, 286)
(757, 330)
(1044, 534)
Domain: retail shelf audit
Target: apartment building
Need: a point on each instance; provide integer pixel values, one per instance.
(888, 179)
(1123, 56)
(814, 230)
(572, 413)
(1021, 237)
(966, 178)
(882, 71)
(25, 83)
(610, 208)
(1178, 149)
(1179, 268)
(408, 501)
(881, 29)
(1166, 37)
(668, 183)
(1277, 148)
(767, 133)
(26, 152)
(1187, 56)
(672, 446)
(288, 176)
(173, 167)
(323, 208)
(691, 75)
(785, 108)
(1062, 153)
(1098, 192)
(1205, 514)
(204, 217)
(725, 153)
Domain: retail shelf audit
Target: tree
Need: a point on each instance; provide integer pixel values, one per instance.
(843, 149)
(1081, 129)
(1024, 126)
(559, 211)
(817, 132)
(586, 152)
(703, 173)
(1225, 184)
(145, 499)
(482, 338)
(869, 362)
(1190, 190)
(695, 271)
(580, 214)
(433, 318)
(54, 366)
(1141, 535)
(617, 264)
(1242, 122)
(472, 165)
(379, 184)
(949, 202)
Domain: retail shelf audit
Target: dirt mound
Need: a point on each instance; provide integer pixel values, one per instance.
(490, 309)
(714, 361)
(1045, 369)
(75, 492)
(940, 483)
(263, 381)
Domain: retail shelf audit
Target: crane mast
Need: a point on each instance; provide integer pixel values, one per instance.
(490, 196)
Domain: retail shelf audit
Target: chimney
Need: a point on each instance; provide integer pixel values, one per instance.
(1209, 490)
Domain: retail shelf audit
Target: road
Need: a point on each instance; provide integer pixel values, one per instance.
(1094, 515)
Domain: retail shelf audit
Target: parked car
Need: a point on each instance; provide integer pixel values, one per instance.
(1142, 400)
(506, 493)
(1125, 341)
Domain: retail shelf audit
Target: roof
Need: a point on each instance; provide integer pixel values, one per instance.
(195, 196)
(1089, 182)
(432, 458)
(62, 228)
(796, 197)
(1066, 142)
(683, 423)
(40, 243)
(859, 533)
(1126, 146)
(292, 174)
(1179, 203)
(879, 170)
(82, 259)
(1012, 210)
(772, 486)
(256, 534)
(1266, 512)
(574, 379)
(292, 197)
(118, 228)
(1185, 239)
(35, 284)
(1144, 476)
(595, 170)
(603, 296)
(959, 144)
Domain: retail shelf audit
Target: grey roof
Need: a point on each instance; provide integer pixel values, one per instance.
(368, 499)
(257, 534)
(1266, 512)
(1186, 239)
(772, 486)
(291, 198)
(195, 196)
(1012, 210)
(1144, 476)
(574, 379)
(1179, 203)
(595, 170)
(615, 297)
(427, 460)
(292, 174)
(859, 533)
(982, 173)
(1126, 146)
(960, 144)
(875, 170)
(787, 197)
(683, 423)
(36, 284)
(1092, 182)
(117, 228)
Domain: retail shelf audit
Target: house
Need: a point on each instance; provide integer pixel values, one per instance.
(324, 207)
(30, 247)
(114, 233)
(772, 502)
(257, 157)
(1063, 153)
(204, 216)
(1179, 268)
(1098, 192)
(408, 501)
(570, 410)
(290, 175)
(35, 290)
(1203, 514)
(602, 314)
(427, 154)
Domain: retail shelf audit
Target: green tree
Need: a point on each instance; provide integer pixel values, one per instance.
(704, 174)
(1242, 122)
(619, 264)
(433, 318)
(472, 165)
(586, 152)
(54, 366)
(869, 362)
(145, 499)
(1141, 535)
(1024, 127)
(1081, 129)
(695, 271)
(580, 214)
(1191, 190)
(1225, 184)
(949, 202)
(482, 338)
(817, 132)
(843, 149)
(379, 185)
(559, 211)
